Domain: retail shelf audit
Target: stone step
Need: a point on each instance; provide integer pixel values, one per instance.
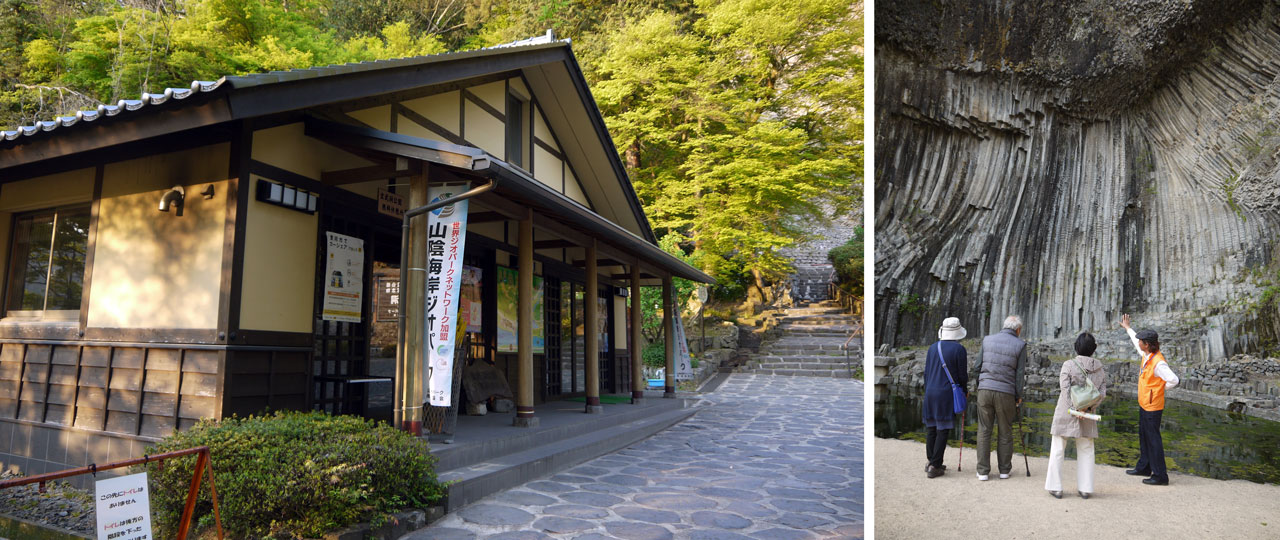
(818, 318)
(799, 365)
(806, 359)
(821, 310)
(790, 328)
(808, 349)
(835, 374)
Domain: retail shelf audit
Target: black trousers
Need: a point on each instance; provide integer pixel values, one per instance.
(1150, 445)
(935, 444)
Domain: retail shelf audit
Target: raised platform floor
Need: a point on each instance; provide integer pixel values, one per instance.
(488, 454)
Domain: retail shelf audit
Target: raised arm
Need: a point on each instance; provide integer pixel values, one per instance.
(1133, 336)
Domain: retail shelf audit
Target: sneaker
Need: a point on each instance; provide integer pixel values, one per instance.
(935, 472)
(983, 477)
(1004, 476)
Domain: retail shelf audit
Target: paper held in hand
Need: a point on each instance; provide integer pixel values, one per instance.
(1082, 414)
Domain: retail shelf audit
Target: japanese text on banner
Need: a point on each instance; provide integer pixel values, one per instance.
(446, 242)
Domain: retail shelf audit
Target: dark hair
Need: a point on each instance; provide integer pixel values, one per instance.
(1085, 344)
(1151, 338)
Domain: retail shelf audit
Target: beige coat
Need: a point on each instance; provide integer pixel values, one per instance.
(1064, 424)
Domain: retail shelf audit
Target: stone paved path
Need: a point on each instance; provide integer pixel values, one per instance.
(771, 457)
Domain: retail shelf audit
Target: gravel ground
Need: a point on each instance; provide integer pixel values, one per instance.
(957, 505)
(60, 505)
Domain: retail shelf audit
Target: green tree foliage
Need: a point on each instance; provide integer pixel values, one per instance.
(739, 120)
(737, 123)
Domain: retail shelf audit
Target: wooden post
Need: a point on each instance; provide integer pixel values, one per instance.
(592, 332)
(638, 382)
(669, 330)
(413, 302)
(524, 327)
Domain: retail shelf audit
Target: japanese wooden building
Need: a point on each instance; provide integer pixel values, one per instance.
(123, 322)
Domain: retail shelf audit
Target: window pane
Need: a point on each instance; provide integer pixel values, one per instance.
(30, 268)
(515, 131)
(566, 337)
(579, 342)
(69, 247)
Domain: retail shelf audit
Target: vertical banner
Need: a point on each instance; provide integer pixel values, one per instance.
(123, 507)
(343, 278)
(446, 240)
(684, 363)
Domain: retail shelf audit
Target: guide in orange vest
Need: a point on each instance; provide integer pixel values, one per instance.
(1154, 378)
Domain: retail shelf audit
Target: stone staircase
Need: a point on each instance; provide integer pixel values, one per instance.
(810, 344)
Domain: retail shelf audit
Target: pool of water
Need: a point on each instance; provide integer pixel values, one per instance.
(15, 529)
(1198, 440)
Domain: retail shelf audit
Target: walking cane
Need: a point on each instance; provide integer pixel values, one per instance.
(1024, 441)
(960, 460)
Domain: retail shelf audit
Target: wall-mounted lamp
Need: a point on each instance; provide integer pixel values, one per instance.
(174, 197)
(287, 196)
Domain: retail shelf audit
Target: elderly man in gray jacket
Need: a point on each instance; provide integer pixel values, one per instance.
(1001, 369)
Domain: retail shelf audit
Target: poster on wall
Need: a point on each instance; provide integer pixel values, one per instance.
(508, 306)
(446, 241)
(123, 507)
(684, 362)
(344, 278)
(472, 301)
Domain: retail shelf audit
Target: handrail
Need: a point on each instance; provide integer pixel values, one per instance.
(203, 463)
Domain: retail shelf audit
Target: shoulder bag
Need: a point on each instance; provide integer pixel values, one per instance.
(958, 399)
(1086, 396)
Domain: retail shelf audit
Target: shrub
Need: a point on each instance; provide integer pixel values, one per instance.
(655, 354)
(294, 474)
(847, 260)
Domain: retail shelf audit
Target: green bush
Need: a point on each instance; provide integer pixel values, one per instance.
(655, 354)
(847, 260)
(294, 474)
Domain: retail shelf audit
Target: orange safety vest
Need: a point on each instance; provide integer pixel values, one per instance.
(1150, 385)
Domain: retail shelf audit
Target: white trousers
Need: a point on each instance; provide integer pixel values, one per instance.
(1084, 464)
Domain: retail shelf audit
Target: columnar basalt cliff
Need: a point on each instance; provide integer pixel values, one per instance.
(1068, 161)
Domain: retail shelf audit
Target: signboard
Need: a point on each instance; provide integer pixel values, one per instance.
(123, 508)
(390, 204)
(684, 362)
(508, 306)
(446, 241)
(343, 278)
(387, 299)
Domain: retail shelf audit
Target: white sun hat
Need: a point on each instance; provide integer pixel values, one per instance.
(951, 330)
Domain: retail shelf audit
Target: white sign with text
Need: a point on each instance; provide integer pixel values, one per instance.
(123, 508)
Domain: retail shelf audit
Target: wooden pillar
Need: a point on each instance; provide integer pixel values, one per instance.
(524, 327)
(591, 331)
(413, 302)
(669, 331)
(638, 382)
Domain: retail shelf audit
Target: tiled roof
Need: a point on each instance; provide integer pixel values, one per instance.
(259, 79)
